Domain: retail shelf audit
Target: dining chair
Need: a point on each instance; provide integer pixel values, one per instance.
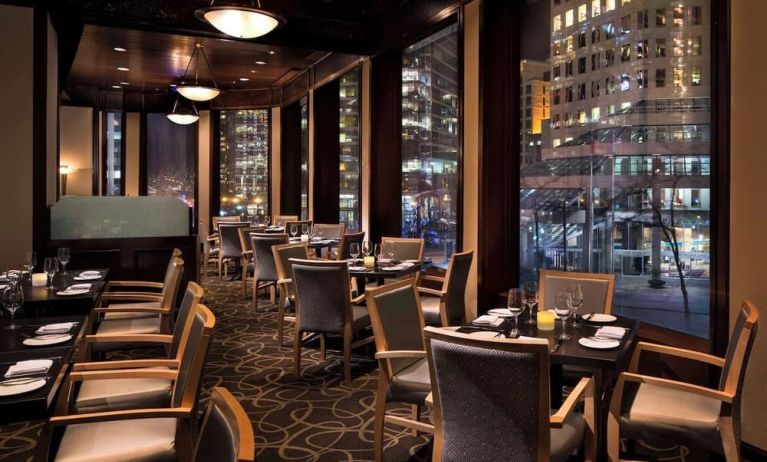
(491, 401)
(246, 247)
(156, 434)
(299, 224)
(447, 306)
(405, 248)
(147, 287)
(282, 255)
(226, 434)
(329, 231)
(209, 248)
(659, 409)
(226, 219)
(86, 389)
(398, 323)
(347, 239)
(264, 268)
(283, 219)
(597, 288)
(324, 307)
(231, 249)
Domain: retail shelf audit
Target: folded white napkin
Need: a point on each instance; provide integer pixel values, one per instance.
(384, 260)
(407, 264)
(90, 273)
(79, 286)
(29, 367)
(357, 268)
(488, 320)
(57, 328)
(412, 261)
(613, 332)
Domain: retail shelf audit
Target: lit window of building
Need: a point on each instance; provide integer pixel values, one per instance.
(660, 48)
(557, 23)
(625, 82)
(609, 5)
(695, 76)
(694, 46)
(679, 16)
(582, 12)
(678, 77)
(569, 18)
(595, 8)
(660, 17)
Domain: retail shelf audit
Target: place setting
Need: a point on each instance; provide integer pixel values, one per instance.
(90, 275)
(25, 376)
(50, 334)
(75, 289)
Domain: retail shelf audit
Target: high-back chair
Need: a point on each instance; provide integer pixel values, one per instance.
(264, 268)
(659, 409)
(227, 219)
(299, 224)
(597, 288)
(405, 248)
(161, 433)
(447, 306)
(491, 401)
(347, 239)
(283, 219)
(282, 255)
(147, 287)
(328, 231)
(208, 244)
(246, 247)
(397, 321)
(230, 250)
(226, 433)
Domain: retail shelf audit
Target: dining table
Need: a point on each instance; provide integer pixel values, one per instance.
(42, 301)
(382, 270)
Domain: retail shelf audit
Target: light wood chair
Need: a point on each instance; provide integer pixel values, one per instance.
(227, 219)
(447, 306)
(246, 262)
(405, 248)
(282, 255)
(147, 287)
(329, 231)
(208, 244)
(670, 410)
(397, 320)
(598, 289)
(264, 267)
(324, 307)
(283, 219)
(347, 239)
(226, 429)
(487, 407)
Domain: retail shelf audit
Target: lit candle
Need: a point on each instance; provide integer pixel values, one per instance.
(370, 261)
(304, 238)
(546, 320)
(39, 280)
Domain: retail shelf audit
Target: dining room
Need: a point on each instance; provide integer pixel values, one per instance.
(447, 230)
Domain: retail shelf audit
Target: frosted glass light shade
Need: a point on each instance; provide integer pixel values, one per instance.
(238, 21)
(198, 92)
(183, 119)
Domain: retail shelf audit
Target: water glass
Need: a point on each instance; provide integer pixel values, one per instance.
(562, 308)
(13, 298)
(377, 251)
(366, 248)
(51, 266)
(63, 256)
(530, 297)
(354, 250)
(515, 306)
(266, 221)
(576, 301)
(304, 229)
(391, 250)
(30, 261)
(13, 275)
(293, 230)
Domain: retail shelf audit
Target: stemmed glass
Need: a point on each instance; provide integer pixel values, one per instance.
(63, 256)
(530, 298)
(30, 261)
(562, 308)
(354, 251)
(391, 251)
(575, 292)
(515, 306)
(304, 229)
(50, 266)
(267, 219)
(293, 230)
(377, 251)
(13, 275)
(13, 298)
(366, 249)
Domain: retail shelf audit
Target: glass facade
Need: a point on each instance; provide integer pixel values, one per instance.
(430, 142)
(112, 126)
(244, 163)
(349, 165)
(615, 155)
(305, 158)
(171, 158)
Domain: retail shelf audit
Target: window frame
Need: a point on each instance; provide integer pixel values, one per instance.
(359, 208)
(100, 129)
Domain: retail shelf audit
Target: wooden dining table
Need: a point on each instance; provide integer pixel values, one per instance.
(380, 272)
(41, 301)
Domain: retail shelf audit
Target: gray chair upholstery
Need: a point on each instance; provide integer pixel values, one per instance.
(452, 299)
(491, 401)
(282, 255)
(329, 231)
(226, 434)
(404, 248)
(597, 289)
(230, 245)
(347, 239)
(264, 268)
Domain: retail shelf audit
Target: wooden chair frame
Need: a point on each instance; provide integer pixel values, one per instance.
(443, 292)
(729, 425)
(284, 219)
(348, 318)
(146, 285)
(284, 282)
(206, 242)
(342, 242)
(584, 389)
(610, 278)
(395, 240)
(230, 406)
(247, 255)
(384, 355)
(225, 219)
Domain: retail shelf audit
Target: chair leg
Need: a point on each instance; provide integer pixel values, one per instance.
(205, 258)
(415, 412)
(378, 423)
(281, 320)
(272, 293)
(244, 279)
(297, 352)
(729, 440)
(347, 354)
(323, 350)
(613, 422)
(219, 264)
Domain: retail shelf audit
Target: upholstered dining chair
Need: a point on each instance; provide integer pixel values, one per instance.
(658, 409)
(147, 287)
(299, 224)
(347, 239)
(283, 219)
(208, 244)
(329, 231)
(99, 393)
(226, 434)
(324, 307)
(231, 249)
(405, 248)
(227, 219)
(246, 247)
(597, 288)
(491, 401)
(282, 255)
(447, 306)
(397, 321)
(161, 433)
(264, 268)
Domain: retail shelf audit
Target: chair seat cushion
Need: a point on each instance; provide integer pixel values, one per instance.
(411, 384)
(123, 315)
(145, 440)
(130, 326)
(565, 440)
(661, 413)
(119, 394)
(213, 252)
(430, 308)
(360, 318)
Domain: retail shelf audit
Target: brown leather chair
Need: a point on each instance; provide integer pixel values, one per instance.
(447, 306)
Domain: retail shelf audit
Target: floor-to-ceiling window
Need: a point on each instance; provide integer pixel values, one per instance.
(349, 138)
(171, 158)
(431, 142)
(616, 151)
(112, 153)
(244, 163)
(305, 158)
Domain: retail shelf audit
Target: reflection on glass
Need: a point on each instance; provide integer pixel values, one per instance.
(615, 165)
(170, 158)
(113, 129)
(349, 166)
(430, 142)
(305, 158)
(244, 163)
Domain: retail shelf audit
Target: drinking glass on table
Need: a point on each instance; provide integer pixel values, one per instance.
(377, 251)
(13, 275)
(391, 251)
(576, 301)
(515, 306)
(293, 230)
(354, 251)
(30, 261)
(51, 267)
(305, 229)
(563, 309)
(366, 249)
(530, 297)
(13, 298)
(63, 256)
(266, 221)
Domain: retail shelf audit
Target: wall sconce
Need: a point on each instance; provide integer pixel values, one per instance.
(64, 171)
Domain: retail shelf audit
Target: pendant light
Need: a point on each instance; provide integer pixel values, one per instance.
(183, 114)
(197, 92)
(240, 21)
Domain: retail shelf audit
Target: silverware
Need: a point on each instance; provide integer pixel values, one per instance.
(598, 338)
(587, 317)
(21, 381)
(558, 344)
(37, 371)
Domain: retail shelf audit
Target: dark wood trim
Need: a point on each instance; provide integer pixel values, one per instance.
(459, 18)
(123, 154)
(290, 159)
(95, 152)
(327, 148)
(142, 156)
(665, 336)
(215, 166)
(40, 221)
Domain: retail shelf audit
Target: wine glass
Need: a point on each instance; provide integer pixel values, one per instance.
(280, 223)
(354, 250)
(13, 298)
(293, 230)
(391, 251)
(305, 229)
(377, 251)
(562, 308)
(366, 248)
(50, 266)
(576, 301)
(63, 256)
(530, 298)
(515, 306)
(30, 261)
(267, 219)
(12, 274)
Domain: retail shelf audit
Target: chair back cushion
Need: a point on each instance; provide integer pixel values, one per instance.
(328, 231)
(739, 351)
(228, 219)
(346, 241)
(455, 281)
(597, 293)
(230, 239)
(192, 296)
(170, 284)
(322, 295)
(405, 248)
(194, 349)
(282, 255)
(397, 321)
(263, 256)
(226, 434)
(284, 219)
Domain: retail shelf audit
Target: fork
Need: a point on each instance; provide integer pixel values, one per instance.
(21, 381)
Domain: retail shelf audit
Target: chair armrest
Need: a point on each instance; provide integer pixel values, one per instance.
(429, 399)
(115, 309)
(359, 299)
(144, 284)
(284, 281)
(120, 374)
(671, 351)
(131, 296)
(427, 291)
(172, 412)
(129, 338)
(124, 364)
(429, 277)
(246, 253)
(400, 354)
(673, 384)
(584, 388)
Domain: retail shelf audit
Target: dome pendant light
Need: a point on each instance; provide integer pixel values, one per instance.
(197, 92)
(240, 21)
(183, 114)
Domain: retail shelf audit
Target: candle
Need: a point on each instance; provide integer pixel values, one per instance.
(546, 320)
(304, 238)
(370, 261)
(39, 280)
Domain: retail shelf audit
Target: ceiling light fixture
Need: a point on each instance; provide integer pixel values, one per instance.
(124, 69)
(120, 49)
(260, 63)
(244, 79)
(240, 21)
(197, 92)
(183, 114)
